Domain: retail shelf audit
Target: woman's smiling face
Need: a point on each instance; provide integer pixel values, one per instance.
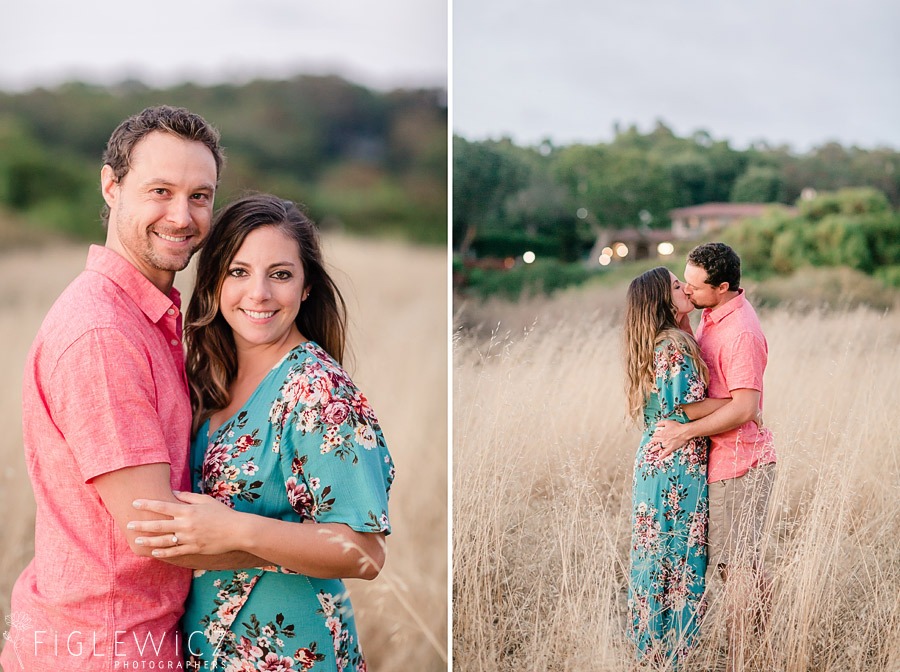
(263, 288)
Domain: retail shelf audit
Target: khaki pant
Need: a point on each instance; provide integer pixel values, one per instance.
(737, 514)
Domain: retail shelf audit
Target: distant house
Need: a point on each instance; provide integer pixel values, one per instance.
(639, 243)
(698, 220)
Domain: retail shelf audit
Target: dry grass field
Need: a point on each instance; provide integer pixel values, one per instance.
(397, 302)
(542, 478)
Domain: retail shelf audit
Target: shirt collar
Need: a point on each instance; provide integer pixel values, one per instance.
(722, 312)
(144, 293)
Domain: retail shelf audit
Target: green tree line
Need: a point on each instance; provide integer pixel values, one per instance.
(856, 228)
(554, 199)
(371, 162)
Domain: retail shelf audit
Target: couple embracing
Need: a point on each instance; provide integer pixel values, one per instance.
(256, 462)
(704, 471)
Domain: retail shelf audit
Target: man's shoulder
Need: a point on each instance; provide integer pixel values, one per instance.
(747, 321)
(91, 301)
(741, 320)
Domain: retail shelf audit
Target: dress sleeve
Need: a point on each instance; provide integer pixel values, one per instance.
(677, 379)
(336, 463)
(102, 400)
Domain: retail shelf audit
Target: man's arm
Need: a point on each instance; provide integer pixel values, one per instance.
(743, 407)
(118, 489)
(704, 407)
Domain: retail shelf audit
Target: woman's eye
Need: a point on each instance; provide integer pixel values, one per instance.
(281, 275)
(236, 272)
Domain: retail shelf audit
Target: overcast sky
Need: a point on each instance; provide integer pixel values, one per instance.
(800, 72)
(383, 44)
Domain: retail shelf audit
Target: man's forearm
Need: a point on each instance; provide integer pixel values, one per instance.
(733, 414)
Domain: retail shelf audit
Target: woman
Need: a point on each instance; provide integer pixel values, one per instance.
(666, 378)
(288, 457)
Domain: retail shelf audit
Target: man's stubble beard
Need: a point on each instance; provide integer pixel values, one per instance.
(141, 245)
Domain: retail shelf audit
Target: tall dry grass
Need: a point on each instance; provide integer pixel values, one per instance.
(397, 302)
(542, 485)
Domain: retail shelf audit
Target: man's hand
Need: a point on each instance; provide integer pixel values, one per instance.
(671, 436)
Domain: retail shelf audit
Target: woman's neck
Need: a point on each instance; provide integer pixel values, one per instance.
(253, 359)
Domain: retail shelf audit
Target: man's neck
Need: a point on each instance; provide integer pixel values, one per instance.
(163, 280)
(726, 297)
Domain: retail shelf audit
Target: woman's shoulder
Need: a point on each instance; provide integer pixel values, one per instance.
(312, 381)
(668, 344)
(672, 352)
(319, 399)
(311, 361)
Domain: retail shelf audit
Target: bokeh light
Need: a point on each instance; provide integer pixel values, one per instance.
(621, 249)
(528, 257)
(605, 259)
(665, 249)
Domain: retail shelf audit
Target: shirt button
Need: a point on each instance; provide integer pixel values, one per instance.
(174, 341)
(170, 311)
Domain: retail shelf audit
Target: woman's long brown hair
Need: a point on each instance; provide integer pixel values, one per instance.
(211, 355)
(650, 316)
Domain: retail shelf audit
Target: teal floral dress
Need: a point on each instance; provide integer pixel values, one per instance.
(669, 520)
(305, 446)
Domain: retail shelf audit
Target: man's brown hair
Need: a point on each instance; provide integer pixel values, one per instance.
(175, 120)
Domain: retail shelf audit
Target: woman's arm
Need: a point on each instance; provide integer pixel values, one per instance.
(206, 527)
(700, 409)
(117, 489)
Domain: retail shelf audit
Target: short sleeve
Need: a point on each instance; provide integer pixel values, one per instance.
(745, 367)
(337, 466)
(102, 400)
(677, 379)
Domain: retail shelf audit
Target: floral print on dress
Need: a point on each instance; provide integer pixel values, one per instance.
(305, 447)
(329, 406)
(221, 479)
(321, 403)
(669, 519)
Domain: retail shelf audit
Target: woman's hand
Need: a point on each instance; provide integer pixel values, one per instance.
(200, 526)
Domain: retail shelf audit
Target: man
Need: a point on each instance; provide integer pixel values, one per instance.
(107, 418)
(741, 458)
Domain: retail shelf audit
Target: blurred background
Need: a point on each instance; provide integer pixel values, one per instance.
(585, 141)
(340, 107)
